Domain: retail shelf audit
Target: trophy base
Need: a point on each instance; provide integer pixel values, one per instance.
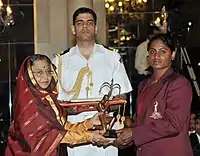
(110, 134)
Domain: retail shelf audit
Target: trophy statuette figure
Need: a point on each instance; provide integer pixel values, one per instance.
(103, 106)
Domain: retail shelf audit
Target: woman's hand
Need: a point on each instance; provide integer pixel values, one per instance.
(95, 119)
(98, 139)
(124, 138)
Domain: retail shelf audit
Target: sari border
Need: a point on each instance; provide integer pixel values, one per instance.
(31, 74)
(60, 118)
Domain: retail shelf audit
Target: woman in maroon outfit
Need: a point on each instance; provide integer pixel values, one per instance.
(164, 101)
(39, 127)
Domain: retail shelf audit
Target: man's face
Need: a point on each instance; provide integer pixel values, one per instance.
(84, 28)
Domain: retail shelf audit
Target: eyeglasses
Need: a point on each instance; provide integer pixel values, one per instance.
(42, 73)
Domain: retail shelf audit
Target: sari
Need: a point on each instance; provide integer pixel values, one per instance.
(39, 126)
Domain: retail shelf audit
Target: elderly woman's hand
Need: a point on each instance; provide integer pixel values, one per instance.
(98, 139)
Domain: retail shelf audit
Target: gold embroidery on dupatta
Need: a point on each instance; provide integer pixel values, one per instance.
(30, 119)
(26, 90)
(60, 119)
(30, 73)
(54, 144)
(39, 144)
(44, 92)
(28, 104)
(38, 129)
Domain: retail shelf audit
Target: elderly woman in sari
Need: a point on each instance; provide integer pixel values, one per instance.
(39, 127)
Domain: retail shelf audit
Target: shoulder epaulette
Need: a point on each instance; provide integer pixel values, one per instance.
(62, 52)
(106, 47)
(110, 48)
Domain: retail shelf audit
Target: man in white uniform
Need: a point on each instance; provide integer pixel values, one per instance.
(83, 69)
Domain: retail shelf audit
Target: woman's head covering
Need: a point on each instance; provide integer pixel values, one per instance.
(26, 83)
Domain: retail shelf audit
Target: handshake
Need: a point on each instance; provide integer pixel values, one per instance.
(104, 131)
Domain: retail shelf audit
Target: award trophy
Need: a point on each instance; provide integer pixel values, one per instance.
(103, 106)
(100, 105)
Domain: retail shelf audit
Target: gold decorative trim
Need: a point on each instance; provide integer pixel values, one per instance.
(60, 119)
(54, 144)
(30, 73)
(30, 119)
(39, 143)
(75, 91)
(28, 104)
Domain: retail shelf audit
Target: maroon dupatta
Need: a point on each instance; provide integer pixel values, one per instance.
(37, 126)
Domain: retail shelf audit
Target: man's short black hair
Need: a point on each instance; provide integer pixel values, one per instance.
(84, 10)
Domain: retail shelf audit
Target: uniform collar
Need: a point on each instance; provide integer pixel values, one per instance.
(97, 49)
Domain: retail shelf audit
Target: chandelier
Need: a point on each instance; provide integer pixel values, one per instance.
(122, 18)
(6, 17)
(125, 6)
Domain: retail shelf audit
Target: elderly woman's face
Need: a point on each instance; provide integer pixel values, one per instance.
(42, 73)
(160, 55)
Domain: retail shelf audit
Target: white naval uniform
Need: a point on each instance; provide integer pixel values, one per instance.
(105, 65)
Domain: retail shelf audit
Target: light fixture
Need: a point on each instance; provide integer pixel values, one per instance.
(120, 3)
(6, 17)
(125, 6)
(189, 23)
(119, 14)
(112, 8)
(107, 5)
